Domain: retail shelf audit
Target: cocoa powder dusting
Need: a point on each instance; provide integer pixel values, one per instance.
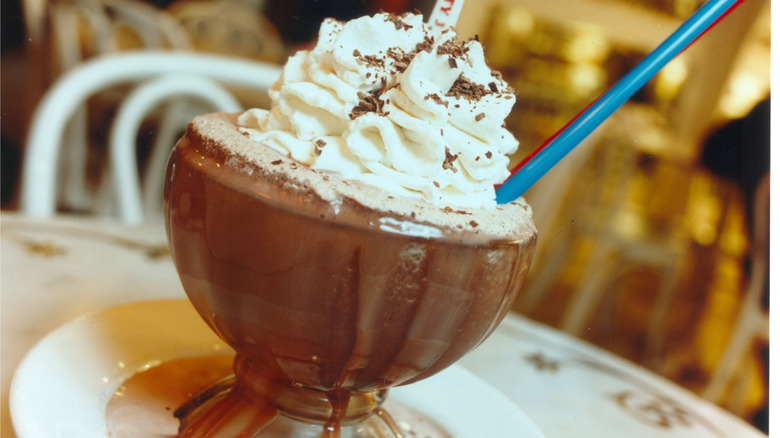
(449, 209)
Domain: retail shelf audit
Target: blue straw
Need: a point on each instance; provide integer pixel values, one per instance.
(544, 159)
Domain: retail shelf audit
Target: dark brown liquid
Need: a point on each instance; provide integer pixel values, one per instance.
(143, 406)
(323, 303)
(322, 297)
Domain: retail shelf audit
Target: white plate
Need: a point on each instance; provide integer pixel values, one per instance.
(63, 385)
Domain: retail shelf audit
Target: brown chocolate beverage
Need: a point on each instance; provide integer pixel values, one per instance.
(330, 284)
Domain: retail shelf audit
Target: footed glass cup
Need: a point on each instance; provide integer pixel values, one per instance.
(325, 308)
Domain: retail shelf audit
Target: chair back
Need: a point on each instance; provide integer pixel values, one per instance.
(155, 78)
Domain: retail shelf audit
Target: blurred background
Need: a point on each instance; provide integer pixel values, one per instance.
(653, 233)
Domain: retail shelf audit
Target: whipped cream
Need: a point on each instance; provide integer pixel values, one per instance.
(390, 101)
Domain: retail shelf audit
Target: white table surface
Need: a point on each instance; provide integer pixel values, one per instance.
(54, 270)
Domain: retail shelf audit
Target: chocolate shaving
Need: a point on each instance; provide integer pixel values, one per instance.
(402, 59)
(463, 87)
(369, 103)
(449, 158)
(426, 45)
(318, 145)
(493, 87)
(400, 65)
(395, 53)
(396, 20)
(371, 60)
(453, 63)
(275, 162)
(479, 116)
(437, 99)
(453, 48)
(474, 224)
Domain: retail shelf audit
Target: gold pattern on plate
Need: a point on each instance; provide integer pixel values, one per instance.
(543, 363)
(655, 411)
(152, 251)
(45, 249)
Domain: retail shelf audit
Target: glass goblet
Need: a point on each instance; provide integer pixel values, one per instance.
(327, 305)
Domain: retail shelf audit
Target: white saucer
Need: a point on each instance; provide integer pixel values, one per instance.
(63, 385)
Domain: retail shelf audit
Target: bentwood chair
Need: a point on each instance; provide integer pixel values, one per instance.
(751, 328)
(155, 77)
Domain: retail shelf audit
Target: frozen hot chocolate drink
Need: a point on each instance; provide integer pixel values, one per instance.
(348, 240)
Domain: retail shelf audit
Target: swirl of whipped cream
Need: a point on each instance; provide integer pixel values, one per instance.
(387, 100)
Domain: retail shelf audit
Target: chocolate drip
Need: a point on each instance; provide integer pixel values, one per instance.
(401, 288)
(343, 312)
